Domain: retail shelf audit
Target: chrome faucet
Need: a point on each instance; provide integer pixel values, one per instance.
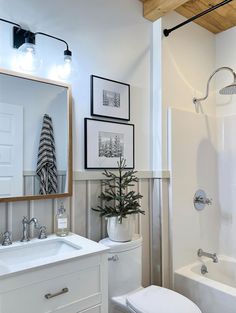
(212, 256)
(26, 223)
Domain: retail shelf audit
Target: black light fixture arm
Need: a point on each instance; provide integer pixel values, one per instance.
(56, 38)
(166, 32)
(21, 36)
(10, 22)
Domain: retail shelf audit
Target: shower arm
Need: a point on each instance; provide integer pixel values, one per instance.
(198, 100)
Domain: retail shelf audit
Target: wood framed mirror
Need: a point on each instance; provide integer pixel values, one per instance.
(35, 138)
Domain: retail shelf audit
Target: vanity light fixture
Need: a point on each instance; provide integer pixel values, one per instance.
(27, 57)
(64, 69)
(25, 41)
(30, 57)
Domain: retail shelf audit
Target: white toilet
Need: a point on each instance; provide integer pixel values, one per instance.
(126, 293)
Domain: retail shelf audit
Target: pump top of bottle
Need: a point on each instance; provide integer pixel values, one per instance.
(61, 209)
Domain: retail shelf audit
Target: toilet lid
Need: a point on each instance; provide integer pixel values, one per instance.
(156, 299)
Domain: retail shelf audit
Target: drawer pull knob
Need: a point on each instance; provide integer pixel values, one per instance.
(113, 258)
(49, 295)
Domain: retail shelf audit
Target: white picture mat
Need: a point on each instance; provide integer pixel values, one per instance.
(93, 129)
(99, 85)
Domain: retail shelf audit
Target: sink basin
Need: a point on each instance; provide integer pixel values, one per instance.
(34, 252)
(25, 256)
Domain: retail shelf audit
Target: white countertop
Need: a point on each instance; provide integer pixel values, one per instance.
(14, 258)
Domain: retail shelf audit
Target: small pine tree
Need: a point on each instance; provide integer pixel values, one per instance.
(119, 202)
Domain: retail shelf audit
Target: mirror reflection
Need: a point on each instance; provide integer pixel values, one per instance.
(34, 137)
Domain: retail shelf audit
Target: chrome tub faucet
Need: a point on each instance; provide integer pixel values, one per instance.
(212, 256)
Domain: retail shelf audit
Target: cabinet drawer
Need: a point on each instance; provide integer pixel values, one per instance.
(96, 309)
(84, 291)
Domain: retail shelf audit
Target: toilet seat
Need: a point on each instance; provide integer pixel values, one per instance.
(154, 299)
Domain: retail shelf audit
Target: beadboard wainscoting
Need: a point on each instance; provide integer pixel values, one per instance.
(83, 221)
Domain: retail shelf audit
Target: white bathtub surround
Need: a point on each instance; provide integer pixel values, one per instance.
(226, 118)
(193, 164)
(201, 148)
(214, 292)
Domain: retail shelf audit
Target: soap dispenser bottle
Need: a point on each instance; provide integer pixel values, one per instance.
(62, 221)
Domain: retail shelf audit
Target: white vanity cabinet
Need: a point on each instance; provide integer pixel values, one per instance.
(76, 285)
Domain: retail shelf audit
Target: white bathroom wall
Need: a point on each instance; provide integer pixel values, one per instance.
(188, 58)
(226, 118)
(225, 56)
(202, 149)
(109, 38)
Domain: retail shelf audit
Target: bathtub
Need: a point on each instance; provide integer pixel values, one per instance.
(214, 292)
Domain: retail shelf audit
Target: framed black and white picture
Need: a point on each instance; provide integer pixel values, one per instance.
(110, 98)
(106, 141)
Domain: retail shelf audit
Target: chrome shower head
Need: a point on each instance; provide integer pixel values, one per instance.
(229, 90)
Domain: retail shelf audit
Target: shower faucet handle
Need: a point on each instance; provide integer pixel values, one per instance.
(203, 200)
(200, 200)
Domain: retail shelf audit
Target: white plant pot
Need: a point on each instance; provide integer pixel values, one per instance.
(120, 231)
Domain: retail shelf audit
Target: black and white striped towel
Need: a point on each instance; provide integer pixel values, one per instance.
(46, 165)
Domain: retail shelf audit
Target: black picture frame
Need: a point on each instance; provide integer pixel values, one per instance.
(93, 139)
(116, 92)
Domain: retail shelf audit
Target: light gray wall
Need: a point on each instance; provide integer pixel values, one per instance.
(108, 38)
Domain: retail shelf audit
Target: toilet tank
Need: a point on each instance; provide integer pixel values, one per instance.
(124, 265)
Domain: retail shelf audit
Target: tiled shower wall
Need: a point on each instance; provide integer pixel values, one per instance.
(86, 222)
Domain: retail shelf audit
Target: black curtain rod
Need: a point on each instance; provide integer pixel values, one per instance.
(166, 32)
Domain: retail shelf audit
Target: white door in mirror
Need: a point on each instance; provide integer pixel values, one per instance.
(11, 150)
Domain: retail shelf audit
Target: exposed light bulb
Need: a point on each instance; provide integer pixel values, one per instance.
(64, 70)
(27, 58)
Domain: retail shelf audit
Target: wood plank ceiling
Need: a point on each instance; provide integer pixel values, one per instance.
(217, 21)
